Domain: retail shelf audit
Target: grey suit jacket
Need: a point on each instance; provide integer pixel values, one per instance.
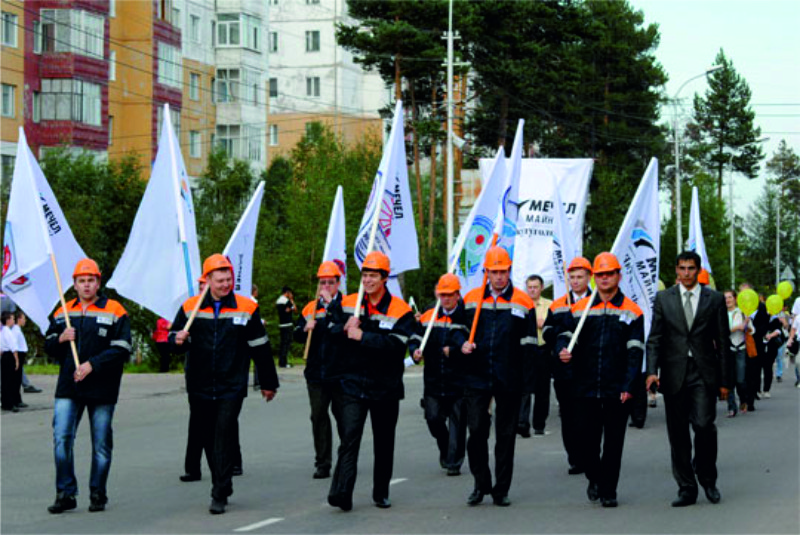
(670, 340)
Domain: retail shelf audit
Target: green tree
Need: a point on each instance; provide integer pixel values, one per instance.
(756, 241)
(722, 130)
(784, 169)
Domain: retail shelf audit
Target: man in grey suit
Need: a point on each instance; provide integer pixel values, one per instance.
(688, 345)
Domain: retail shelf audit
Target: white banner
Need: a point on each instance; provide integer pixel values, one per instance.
(696, 242)
(161, 261)
(239, 249)
(564, 247)
(335, 240)
(506, 223)
(638, 243)
(533, 251)
(35, 228)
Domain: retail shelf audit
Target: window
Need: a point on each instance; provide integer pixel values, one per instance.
(312, 2)
(65, 99)
(273, 42)
(194, 86)
(249, 89)
(238, 30)
(112, 65)
(195, 150)
(37, 37)
(273, 87)
(312, 41)
(213, 33)
(194, 28)
(36, 112)
(8, 100)
(228, 138)
(273, 2)
(7, 162)
(110, 130)
(175, 117)
(112, 8)
(163, 9)
(170, 69)
(227, 85)
(9, 29)
(228, 30)
(71, 30)
(253, 138)
(175, 19)
(312, 86)
(273, 135)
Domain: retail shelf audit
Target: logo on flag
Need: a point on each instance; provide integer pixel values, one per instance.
(478, 240)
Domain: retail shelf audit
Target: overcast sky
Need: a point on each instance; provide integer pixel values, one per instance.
(761, 37)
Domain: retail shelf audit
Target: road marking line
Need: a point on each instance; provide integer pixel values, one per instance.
(261, 524)
(398, 480)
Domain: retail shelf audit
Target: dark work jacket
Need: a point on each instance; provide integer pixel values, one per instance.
(610, 348)
(506, 338)
(219, 349)
(443, 374)
(559, 319)
(372, 368)
(320, 351)
(103, 338)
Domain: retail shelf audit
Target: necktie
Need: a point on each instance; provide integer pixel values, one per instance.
(687, 310)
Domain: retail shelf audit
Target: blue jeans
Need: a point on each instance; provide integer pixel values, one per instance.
(779, 362)
(66, 417)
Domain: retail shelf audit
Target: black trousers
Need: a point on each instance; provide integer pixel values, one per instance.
(444, 416)
(164, 357)
(320, 396)
(603, 422)
(570, 426)
(770, 354)
(10, 381)
(540, 402)
(693, 405)
(352, 415)
(286, 341)
(506, 413)
(637, 405)
(197, 440)
(752, 379)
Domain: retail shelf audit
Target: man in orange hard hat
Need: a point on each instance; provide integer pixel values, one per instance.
(559, 318)
(100, 328)
(505, 337)
(314, 321)
(370, 350)
(444, 388)
(605, 359)
(227, 331)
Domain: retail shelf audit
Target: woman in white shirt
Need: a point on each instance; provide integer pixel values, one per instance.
(9, 364)
(792, 347)
(737, 322)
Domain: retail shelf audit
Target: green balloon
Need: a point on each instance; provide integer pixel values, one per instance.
(785, 290)
(747, 301)
(774, 304)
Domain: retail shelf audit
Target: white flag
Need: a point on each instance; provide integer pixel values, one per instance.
(35, 229)
(396, 234)
(335, 241)
(239, 249)
(638, 243)
(696, 242)
(161, 261)
(564, 247)
(505, 226)
(476, 233)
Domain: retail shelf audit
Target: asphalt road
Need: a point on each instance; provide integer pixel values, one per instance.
(759, 466)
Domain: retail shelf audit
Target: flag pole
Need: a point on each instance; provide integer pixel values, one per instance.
(308, 338)
(585, 313)
(64, 308)
(480, 301)
(196, 309)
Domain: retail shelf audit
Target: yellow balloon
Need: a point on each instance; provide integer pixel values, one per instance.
(747, 301)
(785, 290)
(774, 304)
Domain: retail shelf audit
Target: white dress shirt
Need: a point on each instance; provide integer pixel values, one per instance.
(22, 345)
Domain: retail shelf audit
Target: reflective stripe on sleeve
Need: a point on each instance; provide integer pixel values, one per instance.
(635, 344)
(121, 343)
(529, 340)
(400, 337)
(258, 341)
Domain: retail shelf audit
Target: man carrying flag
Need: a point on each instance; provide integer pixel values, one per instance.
(102, 333)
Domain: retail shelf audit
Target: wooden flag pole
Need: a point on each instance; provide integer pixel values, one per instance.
(196, 309)
(480, 302)
(64, 308)
(308, 339)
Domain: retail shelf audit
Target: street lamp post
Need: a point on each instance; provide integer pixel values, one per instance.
(678, 221)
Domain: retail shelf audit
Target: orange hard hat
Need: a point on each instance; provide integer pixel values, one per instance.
(86, 266)
(579, 262)
(377, 261)
(328, 269)
(202, 279)
(497, 259)
(605, 263)
(703, 277)
(448, 284)
(215, 262)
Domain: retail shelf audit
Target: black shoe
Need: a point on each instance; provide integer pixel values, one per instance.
(538, 431)
(98, 502)
(609, 502)
(523, 432)
(501, 501)
(712, 493)
(593, 491)
(685, 498)
(383, 503)
(575, 470)
(322, 473)
(237, 471)
(217, 507)
(637, 425)
(256, 388)
(30, 389)
(188, 478)
(62, 503)
(453, 471)
(22, 405)
(475, 498)
(10, 409)
(652, 404)
(779, 379)
(342, 502)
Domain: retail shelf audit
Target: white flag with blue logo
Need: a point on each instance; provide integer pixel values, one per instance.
(239, 249)
(696, 242)
(564, 247)
(335, 240)
(638, 243)
(35, 229)
(505, 225)
(161, 262)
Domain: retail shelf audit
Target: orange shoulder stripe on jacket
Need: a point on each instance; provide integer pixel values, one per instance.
(115, 308)
(397, 308)
(245, 304)
(521, 298)
(190, 303)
